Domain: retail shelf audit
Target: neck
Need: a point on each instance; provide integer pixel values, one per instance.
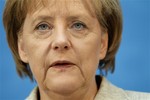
(84, 93)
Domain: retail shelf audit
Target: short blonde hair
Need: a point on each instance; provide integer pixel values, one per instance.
(108, 13)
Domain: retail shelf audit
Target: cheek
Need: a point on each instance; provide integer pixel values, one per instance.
(90, 48)
(37, 53)
(88, 53)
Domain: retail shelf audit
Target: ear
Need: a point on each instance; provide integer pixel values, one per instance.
(21, 50)
(104, 45)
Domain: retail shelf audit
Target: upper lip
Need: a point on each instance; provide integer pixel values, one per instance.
(59, 62)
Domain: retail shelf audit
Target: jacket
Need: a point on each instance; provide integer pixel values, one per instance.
(108, 91)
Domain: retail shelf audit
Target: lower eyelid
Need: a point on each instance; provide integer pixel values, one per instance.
(43, 33)
(43, 23)
(81, 28)
(40, 26)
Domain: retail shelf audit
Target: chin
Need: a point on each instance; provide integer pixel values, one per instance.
(64, 85)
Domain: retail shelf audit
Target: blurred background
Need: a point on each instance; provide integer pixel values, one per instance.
(132, 70)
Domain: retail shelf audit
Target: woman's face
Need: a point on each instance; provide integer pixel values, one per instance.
(63, 43)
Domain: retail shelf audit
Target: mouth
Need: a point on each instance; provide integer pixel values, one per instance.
(61, 64)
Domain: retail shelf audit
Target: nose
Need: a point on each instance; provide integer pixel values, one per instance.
(61, 42)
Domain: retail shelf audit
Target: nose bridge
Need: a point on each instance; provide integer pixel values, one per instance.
(61, 39)
(60, 31)
(60, 36)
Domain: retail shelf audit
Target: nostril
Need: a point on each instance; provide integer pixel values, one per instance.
(61, 46)
(56, 48)
(65, 47)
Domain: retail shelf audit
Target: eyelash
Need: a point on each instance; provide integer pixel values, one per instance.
(47, 27)
(82, 26)
(40, 27)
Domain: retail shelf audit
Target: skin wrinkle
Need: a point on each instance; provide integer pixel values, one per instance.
(47, 50)
(56, 55)
(16, 11)
(44, 4)
(81, 46)
(70, 55)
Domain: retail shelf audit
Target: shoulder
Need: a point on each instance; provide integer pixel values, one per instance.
(108, 91)
(33, 95)
(138, 95)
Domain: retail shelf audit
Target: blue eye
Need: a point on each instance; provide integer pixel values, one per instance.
(43, 27)
(78, 26)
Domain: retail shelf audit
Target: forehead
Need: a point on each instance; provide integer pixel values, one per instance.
(62, 6)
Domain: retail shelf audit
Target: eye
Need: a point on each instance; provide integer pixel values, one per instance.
(43, 27)
(43, 30)
(78, 26)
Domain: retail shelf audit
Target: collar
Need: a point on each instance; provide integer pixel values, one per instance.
(106, 91)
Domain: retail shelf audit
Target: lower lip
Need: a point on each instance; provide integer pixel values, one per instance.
(62, 67)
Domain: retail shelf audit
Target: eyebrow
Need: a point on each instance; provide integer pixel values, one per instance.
(69, 18)
(78, 17)
(42, 17)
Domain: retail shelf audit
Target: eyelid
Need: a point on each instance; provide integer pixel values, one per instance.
(74, 22)
(43, 23)
(79, 22)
